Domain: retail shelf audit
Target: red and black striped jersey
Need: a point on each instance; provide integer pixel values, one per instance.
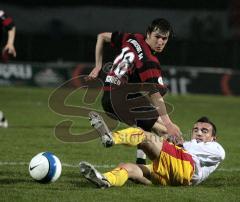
(136, 63)
(6, 22)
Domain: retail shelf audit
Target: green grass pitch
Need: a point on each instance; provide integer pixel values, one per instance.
(31, 130)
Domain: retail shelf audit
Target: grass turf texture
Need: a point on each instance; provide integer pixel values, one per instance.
(31, 130)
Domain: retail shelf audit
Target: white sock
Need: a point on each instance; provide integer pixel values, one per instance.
(141, 154)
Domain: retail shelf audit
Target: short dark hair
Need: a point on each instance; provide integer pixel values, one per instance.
(162, 24)
(205, 119)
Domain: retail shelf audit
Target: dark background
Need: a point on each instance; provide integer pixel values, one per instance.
(200, 49)
(172, 4)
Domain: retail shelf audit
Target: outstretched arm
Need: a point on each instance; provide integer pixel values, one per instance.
(101, 39)
(9, 47)
(159, 103)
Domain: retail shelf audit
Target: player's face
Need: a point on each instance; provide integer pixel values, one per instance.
(202, 132)
(157, 40)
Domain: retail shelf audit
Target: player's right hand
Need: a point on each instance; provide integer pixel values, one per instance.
(93, 74)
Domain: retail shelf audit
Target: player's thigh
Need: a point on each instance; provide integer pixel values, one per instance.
(136, 172)
(108, 108)
(152, 145)
(145, 170)
(133, 170)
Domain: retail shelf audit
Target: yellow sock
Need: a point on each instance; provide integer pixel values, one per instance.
(129, 136)
(117, 177)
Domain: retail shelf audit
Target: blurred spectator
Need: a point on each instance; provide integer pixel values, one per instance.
(7, 25)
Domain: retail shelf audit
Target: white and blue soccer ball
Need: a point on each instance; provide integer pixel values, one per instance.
(45, 167)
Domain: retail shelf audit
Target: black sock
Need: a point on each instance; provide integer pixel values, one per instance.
(141, 161)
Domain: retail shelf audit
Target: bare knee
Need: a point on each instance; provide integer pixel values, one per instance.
(127, 166)
(132, 169)
(135, 173)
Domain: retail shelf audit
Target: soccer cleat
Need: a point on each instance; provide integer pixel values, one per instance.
(91, 174)
(3, 121)
(98, 123)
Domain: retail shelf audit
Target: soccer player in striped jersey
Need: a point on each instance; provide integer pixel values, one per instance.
(189, 164)
(134, 87)
(7, 24)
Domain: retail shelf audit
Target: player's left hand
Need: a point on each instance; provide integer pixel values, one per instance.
(173, 129)
(177, 140)
(174, 134)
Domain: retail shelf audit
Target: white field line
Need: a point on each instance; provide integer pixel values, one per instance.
(8, 163)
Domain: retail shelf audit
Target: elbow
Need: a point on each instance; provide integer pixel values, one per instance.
(100, 36)
(222, 155)
(104, 36)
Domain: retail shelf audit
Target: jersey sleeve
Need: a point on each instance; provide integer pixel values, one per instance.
(116, 39)
(151, 73)
(7, 22)
(207, 157)
(211, 153)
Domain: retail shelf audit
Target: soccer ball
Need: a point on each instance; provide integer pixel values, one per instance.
(45, 167)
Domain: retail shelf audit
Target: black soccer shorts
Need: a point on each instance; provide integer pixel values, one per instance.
(128, 117)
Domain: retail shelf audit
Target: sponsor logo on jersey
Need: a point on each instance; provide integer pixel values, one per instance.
(137, 47)
(114, 80)
(160, 80)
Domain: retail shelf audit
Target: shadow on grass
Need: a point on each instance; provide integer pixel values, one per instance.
(227, 180)
(83, 183)
(13, 181)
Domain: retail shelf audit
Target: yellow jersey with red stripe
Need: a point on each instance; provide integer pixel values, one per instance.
(175, 166)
